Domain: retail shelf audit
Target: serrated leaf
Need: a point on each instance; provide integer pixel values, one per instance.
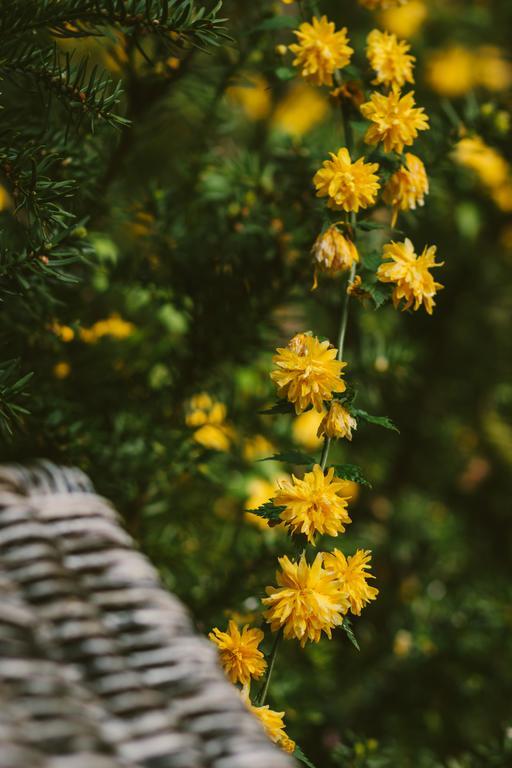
(291, 457)
(269, 511)
(348, 396)
(299, 754)
(282, 406)
(381, 421)
(347, 628)
(351, 472)
(371, 260)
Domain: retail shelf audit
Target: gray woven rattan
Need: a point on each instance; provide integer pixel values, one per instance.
(99, 665)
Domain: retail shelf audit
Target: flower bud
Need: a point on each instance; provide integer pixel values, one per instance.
(332, 252)
(337, 422)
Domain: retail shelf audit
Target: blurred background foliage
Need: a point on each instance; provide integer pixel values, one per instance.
(154, 251)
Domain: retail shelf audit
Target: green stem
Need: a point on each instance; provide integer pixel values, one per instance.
(272, 659)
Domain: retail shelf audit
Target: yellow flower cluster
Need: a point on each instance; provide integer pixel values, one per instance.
(491, 168)
(410, 274)
(208, 417)
(456, 70)
(307, 372)
(320, 50)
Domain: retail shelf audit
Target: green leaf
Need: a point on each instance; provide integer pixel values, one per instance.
(351, 472)
(348, 396)
(291, 457)
(347, 628)
(269, 511)
(278, 22)
(285, 73)
(381, 421)
(282, 406)
(368, 226)
(371, 260)
(299, 754)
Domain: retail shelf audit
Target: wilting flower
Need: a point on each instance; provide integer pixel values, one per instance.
(390, 59)
(373, 4)
(353, 576)
(307, 602)
(410, 273)
(238, 652)
(307, 372)
(332, 252)
(337, 422)
(314, 504)
(396, 120)
(321, 50)
(349, 186)
(407, 187)
(273, 724)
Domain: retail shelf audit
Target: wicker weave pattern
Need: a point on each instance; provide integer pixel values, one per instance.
(99, 666)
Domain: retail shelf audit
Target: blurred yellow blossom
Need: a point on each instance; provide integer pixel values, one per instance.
(63, 332)
(488, 164)
(450, 72)
(321, 50)
(493, 69)
(404, 20)
(5, 199)
(307, 601)
(373, 4)
(113, 326)
(396, 120)
(252, 94)
(305, 428)
(209, 416)
(239, 653)
(313, 504)
(260, 491)
(348, 185)
(257, 447)
(307, 372)
(300, 110)
(61, 370)
(390, 59)
(402, 643)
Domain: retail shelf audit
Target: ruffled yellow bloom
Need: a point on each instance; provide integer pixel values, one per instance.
(390, 59)
(407, 187)
(353, 576)
(404, 20)
(396, 120)
(209, 418)
(307, 372)
(307, 602)
(451, 71)
(410, 273)
(273, 723)
(373, 4)
(349, 186)
(321, 50)
(238, 652)
(337, 422)
(313, 504)
(332, 252)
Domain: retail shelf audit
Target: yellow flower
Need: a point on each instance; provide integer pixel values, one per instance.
(305, 428)
(260, 491)
(493, 70)
(238, 652)
(373, 4)
(390, 59)
(252, 94)
(273, 724)
(307, 602)
(61, 370)
(313, 504)
(302, 108)
(332, 252)
(351, 572)
(337, 422)
(491, 167)
(407, 187)
(257, 447)
(321, 50)
(63, 332)
(209, 417)
(307, 372)
(451, 71)
(396, 121)
(404, 20)
(113, 326)
(410, 273)
(349, 186)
